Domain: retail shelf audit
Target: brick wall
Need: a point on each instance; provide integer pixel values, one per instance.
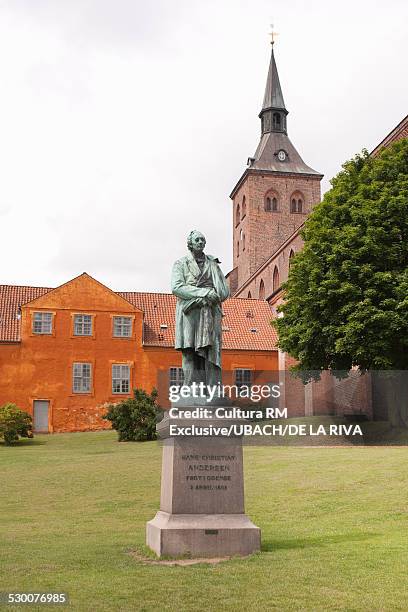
(280, 260)
(265, 231)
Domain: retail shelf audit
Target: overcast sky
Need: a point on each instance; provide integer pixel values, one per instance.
(125, 123)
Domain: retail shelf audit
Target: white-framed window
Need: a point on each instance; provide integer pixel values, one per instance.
(243, 378)
(42, 322)
(82, 325)
(81, 378)
(120, 378)
(176, 376)
(122, 327)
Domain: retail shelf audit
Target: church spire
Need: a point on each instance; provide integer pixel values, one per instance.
(273, 113)
(275, 152)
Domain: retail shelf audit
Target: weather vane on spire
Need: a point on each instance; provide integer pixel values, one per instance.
(273, 34)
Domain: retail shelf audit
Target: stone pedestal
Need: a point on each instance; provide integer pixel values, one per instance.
(202, 496)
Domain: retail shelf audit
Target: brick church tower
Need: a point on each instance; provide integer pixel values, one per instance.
(275, 193)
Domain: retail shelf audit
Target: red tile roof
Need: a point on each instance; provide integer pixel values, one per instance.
(245, 324)
(241, 316)
(11, 298)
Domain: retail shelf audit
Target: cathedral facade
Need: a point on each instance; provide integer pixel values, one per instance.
(271, 201)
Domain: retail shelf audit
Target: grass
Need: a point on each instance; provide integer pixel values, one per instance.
(334, 528)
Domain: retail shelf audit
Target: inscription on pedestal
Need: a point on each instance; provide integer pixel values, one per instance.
(203, 476)
(207, 472)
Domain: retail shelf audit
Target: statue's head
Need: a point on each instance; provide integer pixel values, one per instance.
(196, 242)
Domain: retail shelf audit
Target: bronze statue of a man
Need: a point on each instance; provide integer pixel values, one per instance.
(200, 287)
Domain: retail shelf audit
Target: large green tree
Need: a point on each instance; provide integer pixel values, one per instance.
(346, 298)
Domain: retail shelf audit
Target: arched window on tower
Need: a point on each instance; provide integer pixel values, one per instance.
(237, 216)
(296, 202)
(261, 290)
(271, 202)
(242, 239)
(249, 294)
(243, 207)
(276, 121)
(291, 256)
(276, 279)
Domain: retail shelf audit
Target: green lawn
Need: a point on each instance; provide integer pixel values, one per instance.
(334, 528)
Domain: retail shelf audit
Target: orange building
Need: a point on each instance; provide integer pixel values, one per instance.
(66, 353)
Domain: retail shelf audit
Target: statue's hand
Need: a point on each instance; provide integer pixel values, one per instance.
(212, 297)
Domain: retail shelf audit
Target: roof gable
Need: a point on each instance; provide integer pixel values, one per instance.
(400, 131)
(83, 293)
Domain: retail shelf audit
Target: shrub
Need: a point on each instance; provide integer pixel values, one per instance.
(135, 418)
(14, 423)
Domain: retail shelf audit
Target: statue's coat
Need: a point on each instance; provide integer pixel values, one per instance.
(198, 326)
